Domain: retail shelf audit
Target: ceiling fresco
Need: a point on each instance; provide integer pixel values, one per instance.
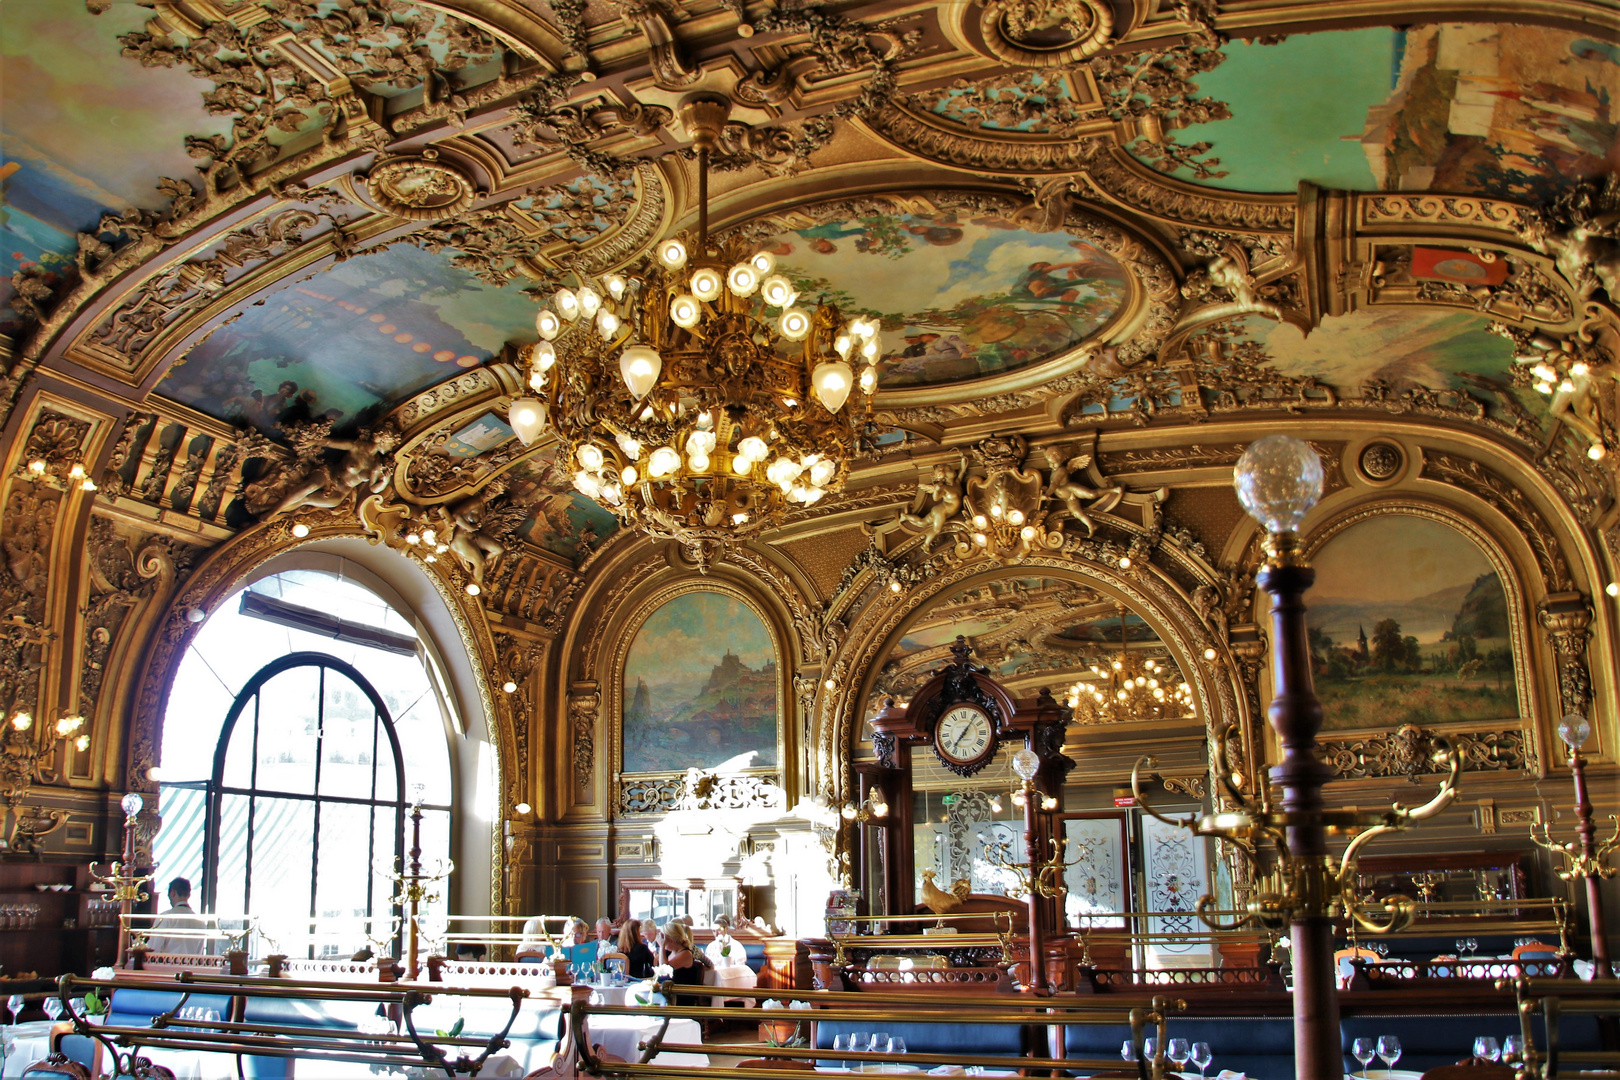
(1513, 111)
(365, 333)
(959, 297)
(85, 131)
(561, 520)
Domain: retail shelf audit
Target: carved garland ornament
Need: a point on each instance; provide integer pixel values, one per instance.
(419, 187)
(1410, 751)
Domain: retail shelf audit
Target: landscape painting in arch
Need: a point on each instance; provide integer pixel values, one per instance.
(700, 688)
(1409, 624)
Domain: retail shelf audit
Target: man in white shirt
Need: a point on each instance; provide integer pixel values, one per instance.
(180, 916)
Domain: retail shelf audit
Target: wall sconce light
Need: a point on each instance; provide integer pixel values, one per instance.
(509, 686)
(523, 809)
(61, 473)
(874, 806)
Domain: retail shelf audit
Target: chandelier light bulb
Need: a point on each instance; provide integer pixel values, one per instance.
(684, 311)
(590, 456)
(640, 367)
(763, 262)
(822, 471)
(300, 530)
(753, 448)
(537, 381)
(1015, 517)
(589, 301)
(782, 472)
(795, 324)
(742, 280)
(1027, 532)
(607, 324)
(700, 442)
(76, 472)
(842, 344)
(672, 253)
(777, 291)
(871, 349)
(1566, 387)
(547, 325)
(82, 743)
(613, 493)
(698, 462)
(567, 304)
(832, 381)
(862, 328)
(741, 465)
(545, 355)
(739, 518)
(1543, 387)
(22, 721)
(614, 284)
(1278, 480)
(1596, 452)
(587, 485)
(37, 467)
(663, 461)
(813, 496)
(869, 379)
(630, 446)
(1612, 588)
(1544, 371)
(528, 419)
(627, 476)
(706, 283)
(1579, 368)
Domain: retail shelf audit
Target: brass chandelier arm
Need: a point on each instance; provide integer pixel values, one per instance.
(1188, 822)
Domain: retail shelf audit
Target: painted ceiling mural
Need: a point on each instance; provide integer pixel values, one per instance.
(961, 297)
(350, 340)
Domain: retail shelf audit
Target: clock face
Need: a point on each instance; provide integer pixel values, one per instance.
(964, 736)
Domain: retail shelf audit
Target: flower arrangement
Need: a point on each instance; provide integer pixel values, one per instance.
(782, 1032)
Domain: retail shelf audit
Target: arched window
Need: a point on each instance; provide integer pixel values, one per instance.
(305, 718)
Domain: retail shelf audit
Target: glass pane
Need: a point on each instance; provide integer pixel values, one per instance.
(288, 707)
(198, 704)
(347, 731)
(283, 842)
(233, 841)
(238, 772)
(178, 846)
(342, 876)
(421, 734)
(382, 858)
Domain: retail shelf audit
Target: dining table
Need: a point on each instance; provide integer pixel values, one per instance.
(622, 1035)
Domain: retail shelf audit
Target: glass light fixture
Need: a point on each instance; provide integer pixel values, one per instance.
(547, 325)
(607, 324)
(684, 311)
(763, 262)
(132, 804)
(589, 301)
(545, 355)
(663, 461)
(706, 284)
(832, 381)
(672, 254)
(640, 366)
(742, 280)
(567, 304)
(1574, 729)
(1278, 480)
(590, 457)
(615, 285)
(777, 291)
(795, 324)
(1026, 763)
(753, 448)
(528, 419)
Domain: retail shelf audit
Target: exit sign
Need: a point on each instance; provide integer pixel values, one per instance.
(1124, 800)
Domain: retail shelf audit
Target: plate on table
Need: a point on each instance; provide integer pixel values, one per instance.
(1385, 1074)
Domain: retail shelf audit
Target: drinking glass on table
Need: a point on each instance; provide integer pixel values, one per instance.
(1512, 1049)
(897, 1045)
(1150, 1047)
(878, 1045)
(1179, 1050)
(15, 1004)
(1389, 1050)
(53, 1007)
(1201, 1057)
(1487, 1048)
(1128, 1051)
(859, 1042)
(1362, 1050)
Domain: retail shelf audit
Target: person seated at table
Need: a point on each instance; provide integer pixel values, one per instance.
(675, 948)
(724, 950)
(180, 916)
(470, 951)
(606, 942)
(640, 962)
(536, 941)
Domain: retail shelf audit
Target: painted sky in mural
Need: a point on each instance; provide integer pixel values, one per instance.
(362, 334)
(1512, 111)
(997, 298)
(1404, 346)
(1409, 623)
(700, 687)
(84, 130)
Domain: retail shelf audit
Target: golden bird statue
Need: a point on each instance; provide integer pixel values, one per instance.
(938, 900)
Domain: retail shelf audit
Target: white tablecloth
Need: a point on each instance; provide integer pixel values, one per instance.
(608, 995)
(26, 1044)
(736, 977)
(621, 1036)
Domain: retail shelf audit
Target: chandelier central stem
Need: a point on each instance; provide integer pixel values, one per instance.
(703, 199)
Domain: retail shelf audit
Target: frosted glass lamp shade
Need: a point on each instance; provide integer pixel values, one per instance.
(528, 419)
(1574, 729)
(832, 381)
(1026, 763)
(132, 804)
(1278, 480)
(640, 367)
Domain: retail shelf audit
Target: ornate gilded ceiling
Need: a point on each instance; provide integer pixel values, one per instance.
(286, 220)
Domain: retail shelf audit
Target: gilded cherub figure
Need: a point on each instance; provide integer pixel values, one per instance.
(317, 482)
(1064, 486)
(946, 491)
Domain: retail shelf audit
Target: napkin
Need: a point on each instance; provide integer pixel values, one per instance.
(1230, 1074)
(948, 1070)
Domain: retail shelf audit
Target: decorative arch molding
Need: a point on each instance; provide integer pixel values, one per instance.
(880, 623)
(449, 616)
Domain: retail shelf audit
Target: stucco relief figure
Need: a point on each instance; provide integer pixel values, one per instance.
(946, 491)
(1065, 486)
(1580, 232)
(324, 484)
(1228, 272)
(484, 525)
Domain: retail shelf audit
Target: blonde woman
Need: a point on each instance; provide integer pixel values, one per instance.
(675, 949)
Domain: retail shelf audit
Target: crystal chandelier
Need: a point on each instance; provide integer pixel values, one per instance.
(1131, 687)
(692, 394)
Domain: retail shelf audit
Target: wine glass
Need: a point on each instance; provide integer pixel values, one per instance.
(15, 1005)
(1462, 945)
(897, 1045)
(1179, 1051)
(1473, 945)
(1128, 1051)
(859, 1042)
(1150, 1047)
(53, 1008)
(1389, 1050)
(1512, 1049)
(1487, 1048)
(1362, 1050)
(1201, 1057)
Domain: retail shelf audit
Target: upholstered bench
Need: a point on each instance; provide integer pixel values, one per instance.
(297, 1013)
(927, 1038)
(1261, 1047)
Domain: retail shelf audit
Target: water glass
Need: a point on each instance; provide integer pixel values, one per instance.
(1389, 1050)
(1150, 1047)
(1201, 1057)
(1128, 1050)
(1179, 1050)
(1487, 1049)
(1362, 1050)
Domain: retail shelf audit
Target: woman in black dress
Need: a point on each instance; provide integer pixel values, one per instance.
(639, 964)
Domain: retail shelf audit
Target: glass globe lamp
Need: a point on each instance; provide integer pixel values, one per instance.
(1026, 763)
(1574, 729)
(132, 804)
(1278, 480)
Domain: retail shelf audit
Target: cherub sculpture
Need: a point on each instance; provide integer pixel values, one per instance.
(1580, 232)
(946, 491)
(484, 524)
(1064, 486)
(323, 484)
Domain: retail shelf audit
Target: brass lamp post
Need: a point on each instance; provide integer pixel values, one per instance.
(1586, 857)
(123, 880)
(1279, 480)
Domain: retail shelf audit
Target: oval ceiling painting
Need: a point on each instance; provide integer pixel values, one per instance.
(1001, 299)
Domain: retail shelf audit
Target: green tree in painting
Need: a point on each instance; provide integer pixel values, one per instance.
(1388, 649)
(1499, 661)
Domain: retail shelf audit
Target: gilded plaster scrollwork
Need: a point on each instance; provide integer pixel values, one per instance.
(1474, 478)
(583, 705)
(314, 480)
(1566, 619)
(1410, 752)
(419, 187)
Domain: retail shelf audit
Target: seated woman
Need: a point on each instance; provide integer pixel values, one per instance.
(675, 949)
(724, 950)
(640, 963)
(536, 941)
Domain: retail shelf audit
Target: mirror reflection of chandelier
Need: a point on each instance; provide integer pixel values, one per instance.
(692, 394)
(1130, 687)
